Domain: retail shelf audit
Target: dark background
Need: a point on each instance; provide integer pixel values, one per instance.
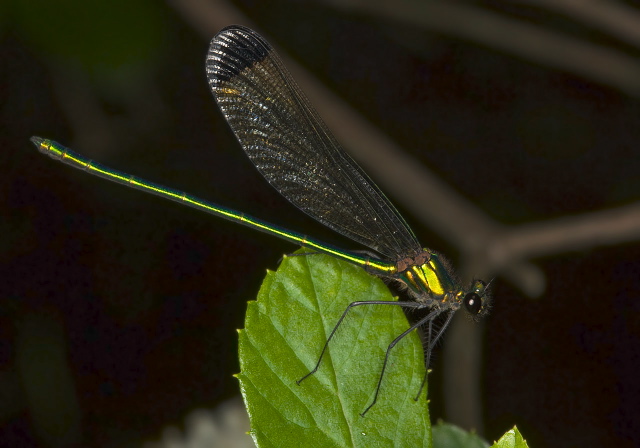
(128, 304)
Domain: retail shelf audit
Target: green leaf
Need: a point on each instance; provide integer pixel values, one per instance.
(450, 436)
(511, 439)
(285, 330)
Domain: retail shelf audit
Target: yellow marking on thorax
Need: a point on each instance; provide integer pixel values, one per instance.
(425, 276)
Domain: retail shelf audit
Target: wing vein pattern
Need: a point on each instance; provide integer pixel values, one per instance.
(291, 146)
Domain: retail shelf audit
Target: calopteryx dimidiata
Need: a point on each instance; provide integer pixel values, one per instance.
(290, 145)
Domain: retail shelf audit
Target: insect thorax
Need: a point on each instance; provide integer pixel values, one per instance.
(428, 277)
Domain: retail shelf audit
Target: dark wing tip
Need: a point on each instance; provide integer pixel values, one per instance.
(232, 50)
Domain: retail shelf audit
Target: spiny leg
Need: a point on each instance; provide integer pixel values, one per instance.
(427, 356)
(432, 315)
(428, 352)
(430, 345)
(413, 305)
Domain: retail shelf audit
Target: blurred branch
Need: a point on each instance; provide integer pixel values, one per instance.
(209, 17)
(521, 39)
(611, 17)
(586, 231)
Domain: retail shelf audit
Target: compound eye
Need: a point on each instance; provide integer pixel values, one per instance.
(472, 303)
